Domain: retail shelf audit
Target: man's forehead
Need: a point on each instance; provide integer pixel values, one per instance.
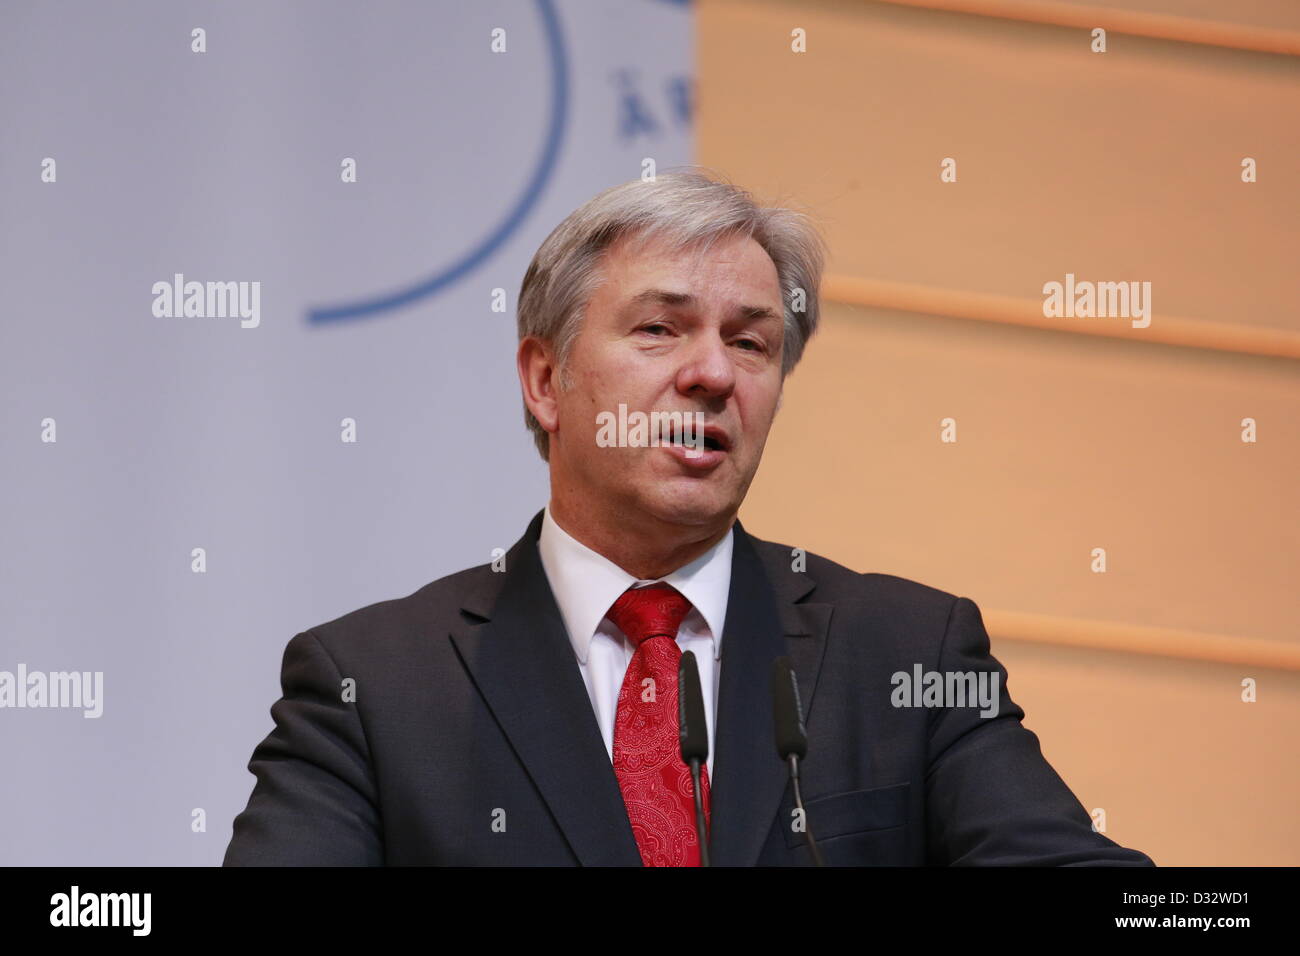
(655, 273)
(685, 300)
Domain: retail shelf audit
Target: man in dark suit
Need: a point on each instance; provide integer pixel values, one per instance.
(525, 711)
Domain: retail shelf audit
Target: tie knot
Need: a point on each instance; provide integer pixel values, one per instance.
(652, 611)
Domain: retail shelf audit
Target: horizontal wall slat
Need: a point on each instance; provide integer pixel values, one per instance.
(1141, 639)
(1165, 329)
(1160, 26)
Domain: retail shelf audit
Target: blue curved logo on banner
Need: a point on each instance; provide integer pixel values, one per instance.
(532, 192)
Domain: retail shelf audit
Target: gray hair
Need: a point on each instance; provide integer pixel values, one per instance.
(687, 209)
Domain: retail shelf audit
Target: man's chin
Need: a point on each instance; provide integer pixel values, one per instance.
(683, 501)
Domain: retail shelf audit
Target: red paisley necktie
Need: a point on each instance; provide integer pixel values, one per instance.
(656, 783)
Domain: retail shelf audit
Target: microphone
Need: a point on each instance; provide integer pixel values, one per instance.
(693, 735)
(792, 738)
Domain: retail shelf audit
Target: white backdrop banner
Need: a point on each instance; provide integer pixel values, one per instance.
(252, 371)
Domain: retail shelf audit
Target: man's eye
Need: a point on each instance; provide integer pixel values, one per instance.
(755, 346)
(656, 325)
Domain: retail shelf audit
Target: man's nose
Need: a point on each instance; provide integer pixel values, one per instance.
(707, 365)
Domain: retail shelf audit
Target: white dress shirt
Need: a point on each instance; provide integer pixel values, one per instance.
(586, 585)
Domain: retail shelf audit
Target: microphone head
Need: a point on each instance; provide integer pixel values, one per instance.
(693, 732)
(787, 711)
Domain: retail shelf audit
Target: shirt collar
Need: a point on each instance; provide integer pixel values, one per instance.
(586, 584)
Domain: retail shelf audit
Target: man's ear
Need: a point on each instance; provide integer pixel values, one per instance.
(538, 378)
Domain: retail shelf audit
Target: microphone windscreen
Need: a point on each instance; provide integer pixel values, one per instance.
(692, 729)
(787, 711)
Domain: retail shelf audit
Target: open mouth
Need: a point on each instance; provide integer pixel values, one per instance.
(710, 443)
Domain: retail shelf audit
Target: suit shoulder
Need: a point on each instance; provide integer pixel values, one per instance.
(837, 583)
(432, 608)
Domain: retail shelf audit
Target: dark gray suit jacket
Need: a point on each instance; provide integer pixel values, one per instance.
(472, 738)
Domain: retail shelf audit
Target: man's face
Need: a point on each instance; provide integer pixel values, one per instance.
(672, 332)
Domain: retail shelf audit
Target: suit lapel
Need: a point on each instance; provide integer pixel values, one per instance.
(763, 623)
(523, 664)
